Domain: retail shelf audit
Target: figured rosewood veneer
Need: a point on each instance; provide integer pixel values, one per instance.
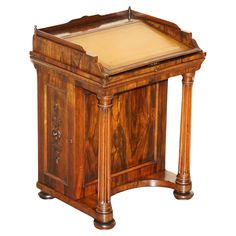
(102, 101)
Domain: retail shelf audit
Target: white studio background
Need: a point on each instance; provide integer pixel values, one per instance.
(144, 211)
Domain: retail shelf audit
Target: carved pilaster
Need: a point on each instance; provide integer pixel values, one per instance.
(104, 211)
(183, 181)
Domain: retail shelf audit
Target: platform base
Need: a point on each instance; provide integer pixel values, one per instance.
(88, 204)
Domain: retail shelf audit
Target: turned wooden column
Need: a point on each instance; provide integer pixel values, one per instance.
(183, 180)
(104, 211)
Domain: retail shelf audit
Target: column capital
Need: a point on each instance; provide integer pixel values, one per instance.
(104, 102)
(188, 78)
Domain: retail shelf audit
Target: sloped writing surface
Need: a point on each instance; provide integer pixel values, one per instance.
(126, 42)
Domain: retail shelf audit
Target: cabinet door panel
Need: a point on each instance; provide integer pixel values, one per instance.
(56, 131)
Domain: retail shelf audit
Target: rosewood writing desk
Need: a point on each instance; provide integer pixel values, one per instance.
(102, 101)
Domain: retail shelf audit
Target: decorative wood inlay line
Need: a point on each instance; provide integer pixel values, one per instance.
(56, 133)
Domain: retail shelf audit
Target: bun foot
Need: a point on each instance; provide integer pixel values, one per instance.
(183, 196)
(44, 195)
(101, 225)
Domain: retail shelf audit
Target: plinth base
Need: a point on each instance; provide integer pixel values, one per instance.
(88, 204)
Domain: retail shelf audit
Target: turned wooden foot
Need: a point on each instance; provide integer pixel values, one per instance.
(183, 196)
(102, 225)
(45, 196)
(183, 187)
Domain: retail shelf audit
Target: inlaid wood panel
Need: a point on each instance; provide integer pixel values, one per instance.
(133, 130)
(133, 121)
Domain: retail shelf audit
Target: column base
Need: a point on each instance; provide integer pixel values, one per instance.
(102, 225)
(45, 196)
(183, 196)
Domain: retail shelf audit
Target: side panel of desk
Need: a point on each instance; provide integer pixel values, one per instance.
(59, 155)
(68, 134)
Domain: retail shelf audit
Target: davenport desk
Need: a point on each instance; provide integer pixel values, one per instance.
(102, 101)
